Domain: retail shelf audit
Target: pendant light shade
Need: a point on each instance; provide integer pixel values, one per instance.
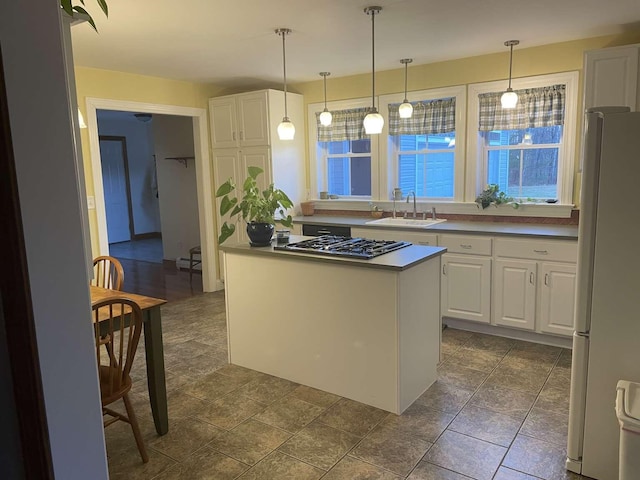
(286, 130)
(373, 122)
(325, 116)
(405, 110)
(509, 98)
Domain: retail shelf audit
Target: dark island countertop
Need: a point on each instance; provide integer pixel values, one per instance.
(398, 260)
(547, 231)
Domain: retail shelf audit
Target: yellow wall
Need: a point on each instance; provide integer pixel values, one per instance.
(546, 59)
(105, 84)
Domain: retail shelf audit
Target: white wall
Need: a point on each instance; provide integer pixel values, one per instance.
(40, 122)
(173, 137)
(145, 205)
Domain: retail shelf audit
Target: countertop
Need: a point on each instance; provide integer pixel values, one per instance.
(399, 260)
(559, 232)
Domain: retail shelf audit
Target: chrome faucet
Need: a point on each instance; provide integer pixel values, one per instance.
(433, 213)
(415, 211)
(397, 195)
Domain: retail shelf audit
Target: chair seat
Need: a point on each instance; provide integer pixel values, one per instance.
(109, 394)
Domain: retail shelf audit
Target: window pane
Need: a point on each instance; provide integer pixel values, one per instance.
(427, 142)
(361, 146)
(429, 175)
(349, 175)
(526, 173)
(338, 175)
(361, 176)
(529, 136)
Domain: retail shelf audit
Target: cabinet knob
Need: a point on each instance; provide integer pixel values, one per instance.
(466, 246)
(531, 278)
(234, 135)
(546, 279)
(541, 252)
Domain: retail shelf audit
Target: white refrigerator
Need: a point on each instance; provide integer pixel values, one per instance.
(606, 343)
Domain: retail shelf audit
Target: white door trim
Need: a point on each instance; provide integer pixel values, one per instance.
(203, 175)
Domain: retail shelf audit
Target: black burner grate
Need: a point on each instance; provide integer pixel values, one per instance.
(344, 246)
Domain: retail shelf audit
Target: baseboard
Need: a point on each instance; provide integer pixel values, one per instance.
(508, 332)
(143, 236)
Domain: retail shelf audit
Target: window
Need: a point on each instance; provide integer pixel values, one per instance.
(348, 166)
(528, 151)
(422, 150)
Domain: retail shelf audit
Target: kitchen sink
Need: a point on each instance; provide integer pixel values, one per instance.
(406, 222)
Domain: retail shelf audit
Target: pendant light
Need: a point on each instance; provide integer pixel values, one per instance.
(509, 98)
(325, 116)
(373, 122)
(286, 130)
(405, 110)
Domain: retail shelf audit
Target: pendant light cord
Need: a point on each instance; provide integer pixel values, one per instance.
(406, 65)
(284, 67)
(373, 59)
(510, 63)
(325, 90)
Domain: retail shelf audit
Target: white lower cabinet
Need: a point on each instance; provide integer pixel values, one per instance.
(557, 285)
(397, 235)
(466, 287)
(514, 293)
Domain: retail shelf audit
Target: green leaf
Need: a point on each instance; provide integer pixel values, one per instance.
(225, 232)
(255, 171)
(78, 9)
(103, 6)
(225, 189)
(227, 204)
(66, 6)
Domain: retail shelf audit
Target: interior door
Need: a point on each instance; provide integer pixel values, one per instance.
(117, 196)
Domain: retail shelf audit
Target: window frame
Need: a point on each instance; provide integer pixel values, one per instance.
(389, 174)
(318, 168)
(476, 163)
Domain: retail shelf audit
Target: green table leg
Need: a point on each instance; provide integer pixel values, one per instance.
(155, 369)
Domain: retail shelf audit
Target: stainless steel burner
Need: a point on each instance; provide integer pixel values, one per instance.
(362, 248)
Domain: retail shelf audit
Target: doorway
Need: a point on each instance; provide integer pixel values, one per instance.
(199, 161)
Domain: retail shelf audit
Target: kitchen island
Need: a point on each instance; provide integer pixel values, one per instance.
(368, 330)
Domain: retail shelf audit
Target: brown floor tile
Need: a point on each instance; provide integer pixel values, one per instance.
(391, 449)
(518, 378)
(520, 360)
(444, 397)
(213, 386)
(314, 396)
(565, 358)
(242, 373)
(486, 425)
(466, 455)
(508, 474)
(198, 365)
(319, 445)
(127, 465)
(353, 469)
(231, 410)
(547, 426)
(503, 400)
(267, 389)
(185, 437)
(429, 471)
(289, 414)
(560, 378)
(553, 400)
(453, 337)
(538, 458)
(205, 464)
(459, 376)
(448, 350)
(475, 359)
(490, 343)
(250, 441)
(181, 405)
(280, 466)
(353, 417)
(420, 422)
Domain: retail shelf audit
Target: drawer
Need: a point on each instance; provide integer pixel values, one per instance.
(317, 230)
(430, 239)
(558, 251)
(466, 244)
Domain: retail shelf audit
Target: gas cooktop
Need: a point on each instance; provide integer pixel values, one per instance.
(344, 246)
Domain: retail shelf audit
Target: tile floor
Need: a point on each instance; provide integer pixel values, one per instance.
(498, 411)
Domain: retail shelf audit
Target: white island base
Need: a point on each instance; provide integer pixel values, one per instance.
(367, 334)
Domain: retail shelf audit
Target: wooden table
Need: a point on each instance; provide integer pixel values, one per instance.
(153, 350)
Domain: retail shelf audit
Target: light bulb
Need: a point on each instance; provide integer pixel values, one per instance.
(326, 118)
(373, 123)
(405, 110)
(509, 99)
(286, 130)
(527, 140)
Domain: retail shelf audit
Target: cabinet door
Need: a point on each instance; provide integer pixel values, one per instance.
(257, 157)
(223, 122)
(466, 287)
(611, 77)
(557, 286)
(226, 164)
(253, 120)
(515, 293)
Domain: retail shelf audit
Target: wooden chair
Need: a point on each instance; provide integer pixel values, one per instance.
(193, 261)
(117, 325)
(108, 273)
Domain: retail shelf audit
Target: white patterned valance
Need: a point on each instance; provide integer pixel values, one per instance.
(429, 117)
(345, 125)
(536, 107)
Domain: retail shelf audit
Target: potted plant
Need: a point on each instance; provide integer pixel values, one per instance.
(493, 196)
(71, 10)
(257, 208)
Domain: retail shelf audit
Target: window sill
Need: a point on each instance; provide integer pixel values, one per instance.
(459, 208)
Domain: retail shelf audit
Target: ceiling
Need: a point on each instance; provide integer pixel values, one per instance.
(232, 44)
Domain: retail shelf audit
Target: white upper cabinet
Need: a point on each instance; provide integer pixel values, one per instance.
(240, 120)
(611, 77)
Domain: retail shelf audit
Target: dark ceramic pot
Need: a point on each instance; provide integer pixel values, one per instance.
(260, 234)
